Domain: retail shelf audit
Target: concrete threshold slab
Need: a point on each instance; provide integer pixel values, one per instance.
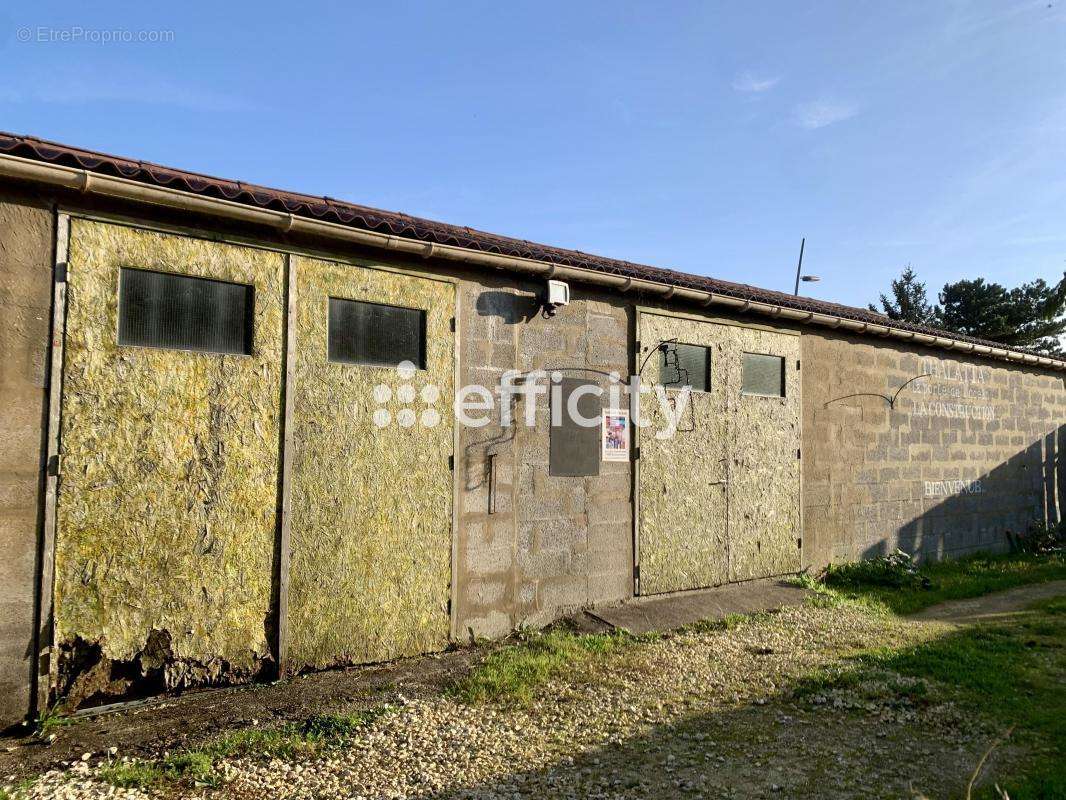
(666, 612)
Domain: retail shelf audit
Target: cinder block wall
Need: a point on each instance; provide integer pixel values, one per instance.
(966, 453)
(553, 544)
(25, 299)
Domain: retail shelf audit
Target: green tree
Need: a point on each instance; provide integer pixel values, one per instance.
(909, 302)
(1031, 316)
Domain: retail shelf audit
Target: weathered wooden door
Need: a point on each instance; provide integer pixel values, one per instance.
(371, 485)
(683, 479)
(720, 498)
(764, 471)
(171, 408)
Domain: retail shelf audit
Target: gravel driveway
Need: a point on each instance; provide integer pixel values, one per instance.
(697, 713)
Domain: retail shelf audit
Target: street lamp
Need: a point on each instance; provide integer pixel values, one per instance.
(799, 268)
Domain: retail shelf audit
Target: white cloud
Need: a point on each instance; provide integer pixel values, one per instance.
(820, 113)
(748, 83)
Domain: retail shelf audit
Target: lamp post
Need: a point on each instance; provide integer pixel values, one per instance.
(799, 269)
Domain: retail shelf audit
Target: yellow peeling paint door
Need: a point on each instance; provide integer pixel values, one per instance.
(720, 497)
(370, 482)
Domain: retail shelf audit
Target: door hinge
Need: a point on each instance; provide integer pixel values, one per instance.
(799, 544)
(451, 463)
(55, 463)
(452, 324)
(636, 572)
(636, 453)
(61, 272)
(798, 453)
(797, 363)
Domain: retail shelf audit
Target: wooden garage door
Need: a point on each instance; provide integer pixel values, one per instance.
(166, 511)
(371, 485)
(720, 499)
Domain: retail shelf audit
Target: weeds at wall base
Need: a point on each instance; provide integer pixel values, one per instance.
(198, 766)
(512, 673)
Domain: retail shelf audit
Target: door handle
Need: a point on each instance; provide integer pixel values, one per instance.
(718, 483)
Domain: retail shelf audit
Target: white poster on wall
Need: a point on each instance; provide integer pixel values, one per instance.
(615, 435)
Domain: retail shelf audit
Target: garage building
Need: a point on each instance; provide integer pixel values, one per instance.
(229, 448)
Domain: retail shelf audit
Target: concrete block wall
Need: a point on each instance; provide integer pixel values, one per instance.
(552, 544)
(965, 454)
(26, 236)
(574, 544)
(485, 577)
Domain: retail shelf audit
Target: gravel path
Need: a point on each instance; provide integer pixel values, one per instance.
(693, 714)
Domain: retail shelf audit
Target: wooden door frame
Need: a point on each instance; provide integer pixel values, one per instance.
(46, 664)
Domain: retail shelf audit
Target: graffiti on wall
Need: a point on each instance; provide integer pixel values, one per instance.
(949, 488)
(954, 391)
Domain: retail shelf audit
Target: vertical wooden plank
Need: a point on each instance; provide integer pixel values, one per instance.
(284, 527)
(634, 444)
(457, 468)
(47, 663)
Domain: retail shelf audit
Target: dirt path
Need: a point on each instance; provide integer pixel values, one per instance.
(991, 607)
(170, 722)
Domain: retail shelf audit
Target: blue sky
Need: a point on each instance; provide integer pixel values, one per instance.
(706, 137)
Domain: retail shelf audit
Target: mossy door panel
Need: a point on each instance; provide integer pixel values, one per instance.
(683, 512)
(719, 501)
(371, 504)
(764, 474)
(166, 509)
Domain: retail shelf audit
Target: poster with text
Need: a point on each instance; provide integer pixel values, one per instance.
(615, 435)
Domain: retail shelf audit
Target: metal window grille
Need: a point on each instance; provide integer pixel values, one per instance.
(376, 335)
(180, 312)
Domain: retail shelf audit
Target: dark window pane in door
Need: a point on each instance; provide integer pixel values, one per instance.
(376, 335)
(683, 365)
(180, 312)
(764, 374)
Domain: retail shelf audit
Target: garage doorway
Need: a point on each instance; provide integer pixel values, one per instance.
(371, 443)
(719, 501)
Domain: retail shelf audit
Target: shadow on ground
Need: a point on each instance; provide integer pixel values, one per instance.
(890, 723)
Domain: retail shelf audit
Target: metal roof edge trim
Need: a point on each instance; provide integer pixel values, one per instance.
(88, 181)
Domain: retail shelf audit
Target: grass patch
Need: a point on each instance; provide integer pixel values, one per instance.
(1014, 672)
(190, 767)
(727, 623)
(132, 774)
(865, 583)
(52, 720)
(514, 672)
(197, 766)
(1011, 672)
(293, 740)
(15, 791)
(285, 742)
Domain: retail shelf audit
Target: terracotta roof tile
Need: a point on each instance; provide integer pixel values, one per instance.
(403, 225)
